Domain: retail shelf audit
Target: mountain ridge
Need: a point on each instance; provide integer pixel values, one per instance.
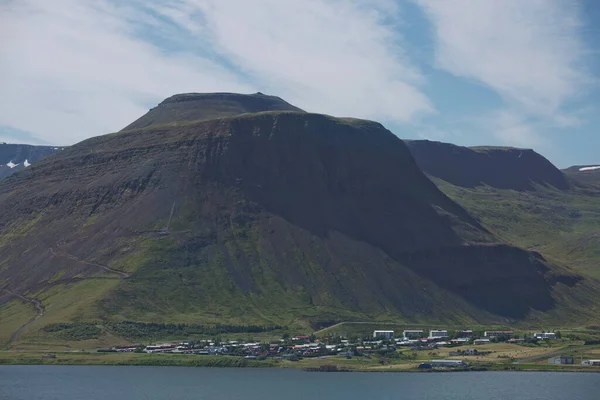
(499, 167)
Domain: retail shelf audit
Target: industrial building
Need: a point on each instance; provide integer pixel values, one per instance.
(591, 363)
(448, 363)
(562, 360)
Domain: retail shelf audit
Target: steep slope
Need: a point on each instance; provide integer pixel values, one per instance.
(498, 167)
(15, 157)
(272, 218)
(202, 106)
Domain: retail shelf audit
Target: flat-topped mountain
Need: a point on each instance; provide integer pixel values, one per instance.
(498, 167)
(272, 217)
(15, 157)
(202, 106)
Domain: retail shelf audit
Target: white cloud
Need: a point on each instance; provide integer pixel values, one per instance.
(74, 69)
(529, 52)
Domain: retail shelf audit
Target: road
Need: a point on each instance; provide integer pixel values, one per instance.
(124, 275)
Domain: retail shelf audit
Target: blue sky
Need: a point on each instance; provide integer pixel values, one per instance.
(514, 72)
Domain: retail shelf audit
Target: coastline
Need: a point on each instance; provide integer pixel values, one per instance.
(342, 365)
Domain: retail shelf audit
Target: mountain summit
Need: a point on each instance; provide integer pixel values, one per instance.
(202, 106)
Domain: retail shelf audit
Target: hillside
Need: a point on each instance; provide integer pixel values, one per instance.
(498, 167)
(15, 157)
(586, 174)
(559, 221)
(279, 218)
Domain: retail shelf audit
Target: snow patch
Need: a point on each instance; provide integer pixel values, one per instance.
(11, 164)
(26, 163)
(589, 168)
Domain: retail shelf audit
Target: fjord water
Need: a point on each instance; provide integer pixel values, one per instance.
(137, 383)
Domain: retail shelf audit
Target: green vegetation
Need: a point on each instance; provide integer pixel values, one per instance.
(74, 331)
(139, 330)
(83, 358)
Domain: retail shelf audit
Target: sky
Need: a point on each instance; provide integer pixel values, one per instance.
(522, 73)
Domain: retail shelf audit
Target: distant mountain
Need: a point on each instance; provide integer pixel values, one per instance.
(242, 209)
(587, 174)
(519, 196)
(498, 167)
(15, 157)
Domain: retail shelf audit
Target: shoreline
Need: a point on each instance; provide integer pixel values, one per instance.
(305, 365)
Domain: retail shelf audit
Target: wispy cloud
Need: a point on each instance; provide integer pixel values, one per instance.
(529, 52)
(75, 69)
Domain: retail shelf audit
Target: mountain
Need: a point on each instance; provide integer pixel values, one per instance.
(268, 217)
(15, 157)
(587, 174)
(530, 204)
(498, 167)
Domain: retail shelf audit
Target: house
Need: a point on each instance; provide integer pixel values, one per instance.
(466, 334)
(591, 363)
(562, 360)
(383, 334)
(491, 334)
(448, 363)
(433, 334)
(481, 341)
(544, 335)
(412, 334)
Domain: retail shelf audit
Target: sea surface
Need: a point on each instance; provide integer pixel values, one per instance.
(137, 383)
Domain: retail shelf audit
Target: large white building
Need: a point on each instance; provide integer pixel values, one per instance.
(438, 334)
(383, 334)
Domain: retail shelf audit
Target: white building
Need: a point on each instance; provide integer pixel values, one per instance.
(383, 334)
(591, 363)
(438, 334)
(412, 334)
(448, 363)
(544, 335)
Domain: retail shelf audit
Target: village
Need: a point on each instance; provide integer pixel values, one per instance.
(413, 345)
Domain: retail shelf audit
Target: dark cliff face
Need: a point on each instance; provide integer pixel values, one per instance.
(294, 211)
(187, 107)
(499, 167)
(15, 157)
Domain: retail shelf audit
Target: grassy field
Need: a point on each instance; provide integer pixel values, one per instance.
(13, 315)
